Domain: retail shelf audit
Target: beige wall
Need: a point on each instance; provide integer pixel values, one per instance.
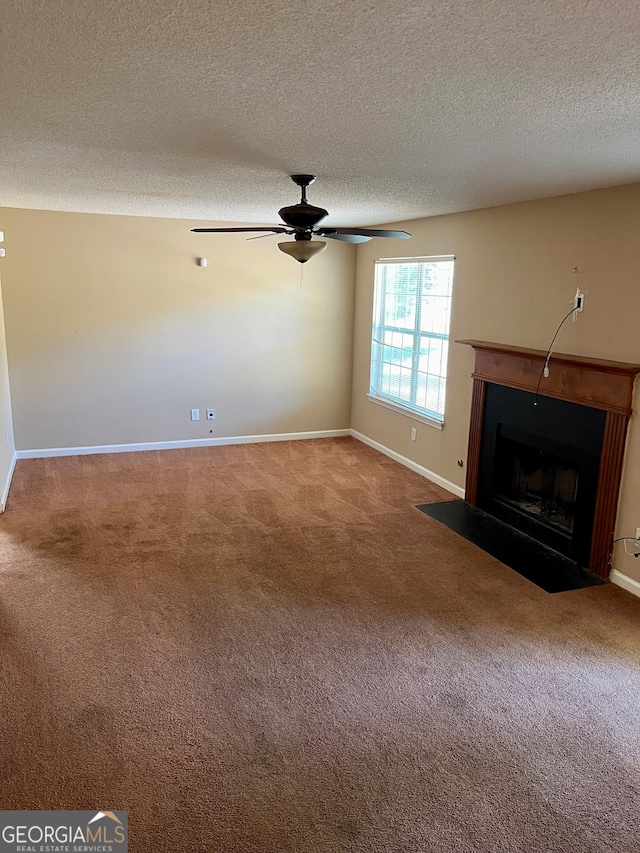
(114, 333)
(7, 447)
(514, 281)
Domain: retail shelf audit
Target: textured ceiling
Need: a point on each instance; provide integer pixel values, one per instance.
(200, 108)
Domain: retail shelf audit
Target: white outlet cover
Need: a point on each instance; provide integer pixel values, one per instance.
(195, 414)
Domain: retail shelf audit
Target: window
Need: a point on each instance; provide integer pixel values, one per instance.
(410, 341)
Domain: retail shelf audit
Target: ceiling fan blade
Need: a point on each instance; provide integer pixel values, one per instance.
(275, 234)
(371, 232)
(347, 238)
(275, 230)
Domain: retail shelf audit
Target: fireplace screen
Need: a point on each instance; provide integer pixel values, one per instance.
(537, 483)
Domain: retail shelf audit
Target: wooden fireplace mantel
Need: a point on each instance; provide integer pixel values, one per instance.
(598, 383)
(589, 381)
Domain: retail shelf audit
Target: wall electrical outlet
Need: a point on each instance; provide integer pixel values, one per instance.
(195, 414)
(578, 302)
(414, 433)
(211, 414)
(638, 533)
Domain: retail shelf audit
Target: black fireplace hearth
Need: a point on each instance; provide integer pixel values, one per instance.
(536, 562)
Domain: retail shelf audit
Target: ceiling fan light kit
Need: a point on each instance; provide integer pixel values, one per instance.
(301, 221)
(302, 250)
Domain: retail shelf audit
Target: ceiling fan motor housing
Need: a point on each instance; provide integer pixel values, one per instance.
(302, 215)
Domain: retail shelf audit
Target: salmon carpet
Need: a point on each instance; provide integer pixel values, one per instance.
(267, 649)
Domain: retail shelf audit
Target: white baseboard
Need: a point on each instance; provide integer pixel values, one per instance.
(7, 484)
(625, 582)
(408, 463)
(45, 452)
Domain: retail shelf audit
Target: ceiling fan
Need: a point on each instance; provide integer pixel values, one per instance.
(301, 221)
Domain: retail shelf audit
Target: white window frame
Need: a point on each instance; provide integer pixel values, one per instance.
(434, 417)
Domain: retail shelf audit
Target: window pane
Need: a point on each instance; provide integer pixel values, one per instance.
(430, 395)
(440, 277)
(394, 354)
(400, 284)
(432, 355)
(434, 314)
(396, 381)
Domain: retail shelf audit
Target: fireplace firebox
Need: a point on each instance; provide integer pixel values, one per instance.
(540, 485)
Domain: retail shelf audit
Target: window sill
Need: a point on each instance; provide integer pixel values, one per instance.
(395, 407)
